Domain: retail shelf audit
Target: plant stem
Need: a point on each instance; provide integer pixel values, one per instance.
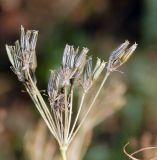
(77, 116)
(65, 116)
(63, 151)
(43, 109)
(41, 100)
(91, 105)
(70, 112)
(39, 107)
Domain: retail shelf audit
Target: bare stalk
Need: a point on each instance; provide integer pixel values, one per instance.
(39, 107)
(58, 126)
(71, 109)
(63, 151)
(41, 100)
(43, 109)
(95, 97)
(66, 117)
(77, 116)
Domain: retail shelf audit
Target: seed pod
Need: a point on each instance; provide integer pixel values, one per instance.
(9, 53)
(90, 75)
(98, 62)
(99, 70)
(27, 40)
(80, 59)
(117, 53)
(129, 52)
(22, 38)
(120, 56)
(53, 86)
(88, 71)
(33, 41)
(65, 53)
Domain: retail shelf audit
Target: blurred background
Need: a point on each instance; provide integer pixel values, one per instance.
(128, 110)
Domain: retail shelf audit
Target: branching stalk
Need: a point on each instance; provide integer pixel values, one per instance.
(90, 107)
(39, 107)
(74, 66)
(43, 104)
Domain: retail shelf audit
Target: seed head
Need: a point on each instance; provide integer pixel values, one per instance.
(14, 55)
(72, 63)
(22, 56)
(86, 81)
(99, 67)
(68, 64)
(80, 58)
(120, 56)
(56, 91)
(28, 39)
(53, 87)
(90, 75)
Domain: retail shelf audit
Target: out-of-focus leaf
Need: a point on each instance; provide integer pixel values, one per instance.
(98, 152)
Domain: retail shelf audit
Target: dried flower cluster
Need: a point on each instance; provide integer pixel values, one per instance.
(76, 70)
(22, 56)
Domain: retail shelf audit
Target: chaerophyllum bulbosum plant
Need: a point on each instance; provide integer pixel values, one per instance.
(76, 70)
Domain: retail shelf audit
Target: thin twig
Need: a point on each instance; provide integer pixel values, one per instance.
(39, 107)
(138, 151)
(95, 97)
(65, 117)
(71, 109)
(77, 116)
(129, 155)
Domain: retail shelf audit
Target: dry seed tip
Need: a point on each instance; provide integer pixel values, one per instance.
(120, 56)
(129, 52)
(99, 70)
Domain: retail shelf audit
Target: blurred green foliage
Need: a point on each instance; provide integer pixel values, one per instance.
(149, 22)
(64, 33)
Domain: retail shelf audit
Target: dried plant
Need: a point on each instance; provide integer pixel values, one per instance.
(146, 144)
(76, 71)
(102, 109)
